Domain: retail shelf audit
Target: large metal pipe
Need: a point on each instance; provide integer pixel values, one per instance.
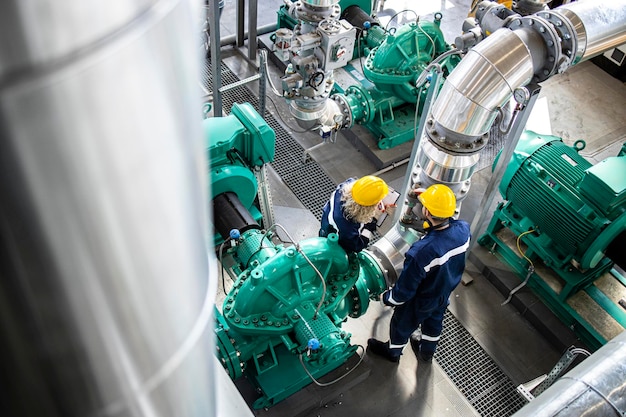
(535, 48)
(481, 83)
(599, 27)
(594, 388)
(106, 288)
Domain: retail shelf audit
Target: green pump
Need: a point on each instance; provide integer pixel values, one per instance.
(280, 324)
(387, 100)
(389, 90)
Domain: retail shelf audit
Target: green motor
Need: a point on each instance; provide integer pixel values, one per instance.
(576, 209)
(562, 229)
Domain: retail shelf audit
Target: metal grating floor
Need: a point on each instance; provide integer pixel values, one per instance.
(470, 368)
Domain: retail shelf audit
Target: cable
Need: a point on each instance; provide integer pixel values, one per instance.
(325, 384)
(400, 12)
(580, 351)
(432, 55)
(358, 46)
(519, 249)
(319, 274)
(267, 73)
(222, 268)
(531, 269)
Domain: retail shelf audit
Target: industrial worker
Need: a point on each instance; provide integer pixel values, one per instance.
(351, 211)
(433, 267)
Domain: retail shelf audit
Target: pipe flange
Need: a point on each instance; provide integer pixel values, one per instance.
(365, 101)
(552, 42)
(569, 39)
(314, 15)
(343, 104)
(454, 142)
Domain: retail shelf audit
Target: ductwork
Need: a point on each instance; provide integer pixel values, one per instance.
(106, 289)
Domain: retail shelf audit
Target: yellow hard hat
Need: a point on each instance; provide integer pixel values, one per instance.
(369, 190)
(440, 201)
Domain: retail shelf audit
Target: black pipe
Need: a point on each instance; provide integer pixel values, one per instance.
(229, 213)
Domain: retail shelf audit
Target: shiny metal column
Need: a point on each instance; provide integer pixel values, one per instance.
(216, 57)
(107, 291)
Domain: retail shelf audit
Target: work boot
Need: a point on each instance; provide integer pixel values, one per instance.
(424, 357)
(382, 349)
(421, 356)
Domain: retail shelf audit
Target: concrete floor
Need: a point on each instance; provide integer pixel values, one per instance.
(583, 103)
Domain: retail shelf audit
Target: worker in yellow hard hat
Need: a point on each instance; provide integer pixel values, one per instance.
(352, 210)
(433, 267)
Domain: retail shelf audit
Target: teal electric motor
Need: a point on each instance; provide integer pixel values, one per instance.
(569, 213)
(238, 147)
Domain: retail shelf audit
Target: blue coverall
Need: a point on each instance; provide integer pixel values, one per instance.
(353, 236)
(433, 267)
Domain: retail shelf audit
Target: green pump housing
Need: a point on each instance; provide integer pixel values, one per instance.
(571, 216)
(385, 100)
(237, 146)
(280, 324)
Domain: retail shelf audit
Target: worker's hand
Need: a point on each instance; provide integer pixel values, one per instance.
(371, 226)
(382, 298)
(415, 192)
(390, 209)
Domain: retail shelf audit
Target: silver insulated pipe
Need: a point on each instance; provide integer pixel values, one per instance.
(106, 289)
(595, 388)
(530, 48)
(527, 49)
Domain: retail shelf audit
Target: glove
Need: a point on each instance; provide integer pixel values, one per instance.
(371, 226)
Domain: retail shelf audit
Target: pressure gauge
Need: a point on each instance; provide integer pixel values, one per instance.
(521, 95)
